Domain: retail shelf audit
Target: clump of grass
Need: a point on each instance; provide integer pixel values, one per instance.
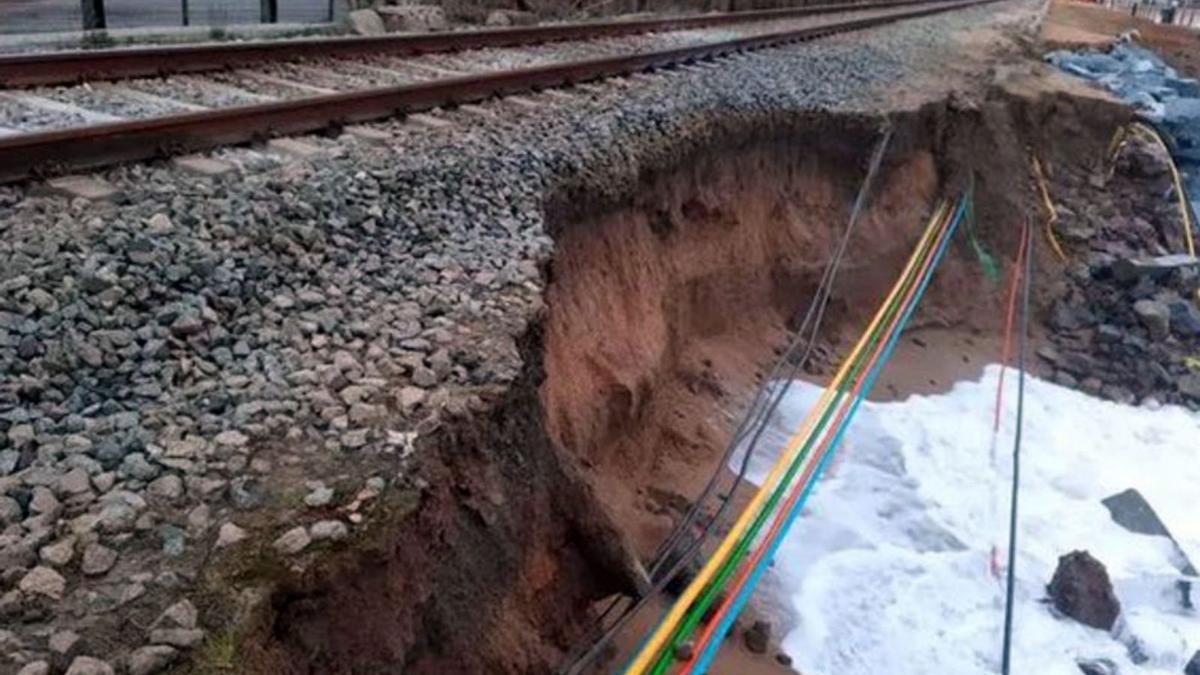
(219, 654)
(97, 39)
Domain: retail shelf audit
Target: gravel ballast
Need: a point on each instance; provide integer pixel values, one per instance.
(186, 365)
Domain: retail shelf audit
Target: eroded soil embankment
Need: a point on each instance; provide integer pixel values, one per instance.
(662, 309)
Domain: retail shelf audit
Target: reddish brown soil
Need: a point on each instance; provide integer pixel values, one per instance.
(663, 311)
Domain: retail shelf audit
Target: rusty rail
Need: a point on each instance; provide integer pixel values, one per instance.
(24, 70)
(27, 155)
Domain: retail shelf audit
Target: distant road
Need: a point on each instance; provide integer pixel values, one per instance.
(35, 16)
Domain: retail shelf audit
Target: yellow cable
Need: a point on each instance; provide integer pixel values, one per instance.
(1179, 193)
(665, 629)
(1052, 213)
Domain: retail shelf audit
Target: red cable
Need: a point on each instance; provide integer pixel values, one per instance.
(780, 515)
(1006, 352)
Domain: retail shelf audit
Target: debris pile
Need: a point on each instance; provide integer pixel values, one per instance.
(1126, 326)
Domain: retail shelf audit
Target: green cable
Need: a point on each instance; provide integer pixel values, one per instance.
(991, 269)
(696, 614)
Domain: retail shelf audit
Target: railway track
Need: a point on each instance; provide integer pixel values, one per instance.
(100, 122)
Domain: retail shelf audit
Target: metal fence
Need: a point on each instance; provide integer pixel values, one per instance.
(33, 16)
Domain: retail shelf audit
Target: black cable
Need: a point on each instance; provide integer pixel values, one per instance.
(1027, 281)
(814, 316)
(755, 419)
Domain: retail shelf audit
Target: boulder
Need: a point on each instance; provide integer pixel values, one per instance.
(413, 18)
(365, 22)
(1132, 269)
(511, 17)
(1156, 316)
(1193, 666)
(1082, 590)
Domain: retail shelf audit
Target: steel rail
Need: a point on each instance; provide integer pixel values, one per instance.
(50, 152)
(68, 67)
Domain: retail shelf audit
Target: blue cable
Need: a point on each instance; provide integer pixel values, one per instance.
(710, 651)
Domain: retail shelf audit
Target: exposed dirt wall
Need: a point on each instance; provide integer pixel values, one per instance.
(663, 307)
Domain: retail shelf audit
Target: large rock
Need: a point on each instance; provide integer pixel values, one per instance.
(1193, 666)
(413, 18)
(510, 17)
(1132, 269)
(1156, 316)
(1082, 590)
(366, 22)
(44, 581)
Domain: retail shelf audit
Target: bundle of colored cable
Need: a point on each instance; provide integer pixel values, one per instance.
(799, 467)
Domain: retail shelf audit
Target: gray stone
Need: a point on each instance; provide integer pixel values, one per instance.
(365, 22)
(411, 397)
(159, 223)
(135, 465)
(230, 534)
(510, 17)
(293, 541)
(10, 511)
(87, 665)
(182, 614)
(319, 497)
(1189, 385)
(116, 518)
(44, 502)
(246, 493)
(174, 541)
(43, 581)
(35, 668)
(332, 530)
(151, 659)
(187, 324)
(1130, 269)
(97, 559)
(64, 643)
(232, 438)
(1185, 318)
(355, 439)
(75, 481)
(199, 518)
(60, 553)
(169, 487)
(412, 17)
(184, 638)
(20, 435)
(424, 377)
